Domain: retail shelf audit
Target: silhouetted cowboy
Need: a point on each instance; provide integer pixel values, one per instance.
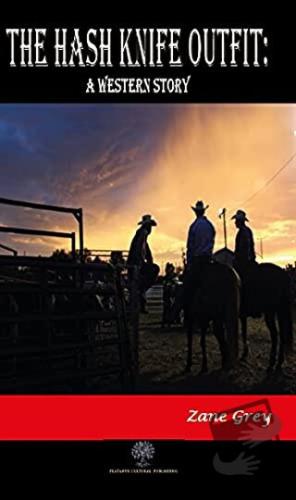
(140, 255)
(246, 265)
(201, 237)
(244, 243)
(200, 244)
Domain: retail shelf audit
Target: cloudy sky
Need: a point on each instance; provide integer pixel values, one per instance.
(121, 161)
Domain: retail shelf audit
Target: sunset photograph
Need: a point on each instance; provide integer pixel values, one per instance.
(119, 162)
(147, 248)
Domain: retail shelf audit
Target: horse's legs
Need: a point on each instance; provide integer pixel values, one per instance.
(270, 322)
(189, 329)
(203, 333)
(218, 331)
(244, 324)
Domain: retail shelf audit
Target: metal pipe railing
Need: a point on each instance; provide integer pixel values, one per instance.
(38, 232)
(9, 249)
(76, 212)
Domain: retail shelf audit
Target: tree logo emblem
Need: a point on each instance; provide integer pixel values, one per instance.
(143, 452)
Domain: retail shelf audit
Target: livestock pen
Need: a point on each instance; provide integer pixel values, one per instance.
(64, 323)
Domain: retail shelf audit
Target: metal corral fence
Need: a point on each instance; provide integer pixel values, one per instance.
(61, 323)
(77, 213)
(64, 321)
(130, 282)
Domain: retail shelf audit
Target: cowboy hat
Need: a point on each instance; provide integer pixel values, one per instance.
(199, 206)
(147, 219)
(240, 215)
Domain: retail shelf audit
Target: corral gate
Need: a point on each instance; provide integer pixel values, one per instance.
(61, 322)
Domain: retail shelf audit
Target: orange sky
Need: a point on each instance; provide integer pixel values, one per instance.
(221, 154)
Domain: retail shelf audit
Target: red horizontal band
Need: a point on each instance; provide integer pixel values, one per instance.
(141, 417)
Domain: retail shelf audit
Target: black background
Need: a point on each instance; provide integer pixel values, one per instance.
(274, 83)
(84, 465)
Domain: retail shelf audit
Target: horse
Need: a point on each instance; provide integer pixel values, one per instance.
(266, 290)
(217, 300)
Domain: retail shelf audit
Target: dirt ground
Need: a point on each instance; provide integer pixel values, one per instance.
(163, 356)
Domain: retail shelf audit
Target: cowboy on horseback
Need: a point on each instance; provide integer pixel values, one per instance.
(245, 263)
(244, 251)
(211, 293)
(200, 244)
(265, 290)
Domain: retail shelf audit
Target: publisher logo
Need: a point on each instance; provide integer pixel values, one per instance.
(143, 452)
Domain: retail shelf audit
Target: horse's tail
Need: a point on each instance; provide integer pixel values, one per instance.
(285, 320)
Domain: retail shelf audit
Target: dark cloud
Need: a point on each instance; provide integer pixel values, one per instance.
(77, 155)
(120, 161)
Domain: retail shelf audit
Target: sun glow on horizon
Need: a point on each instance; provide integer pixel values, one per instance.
(221, 154)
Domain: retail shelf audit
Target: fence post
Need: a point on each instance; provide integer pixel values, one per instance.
(79, 217)
(73, 245)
